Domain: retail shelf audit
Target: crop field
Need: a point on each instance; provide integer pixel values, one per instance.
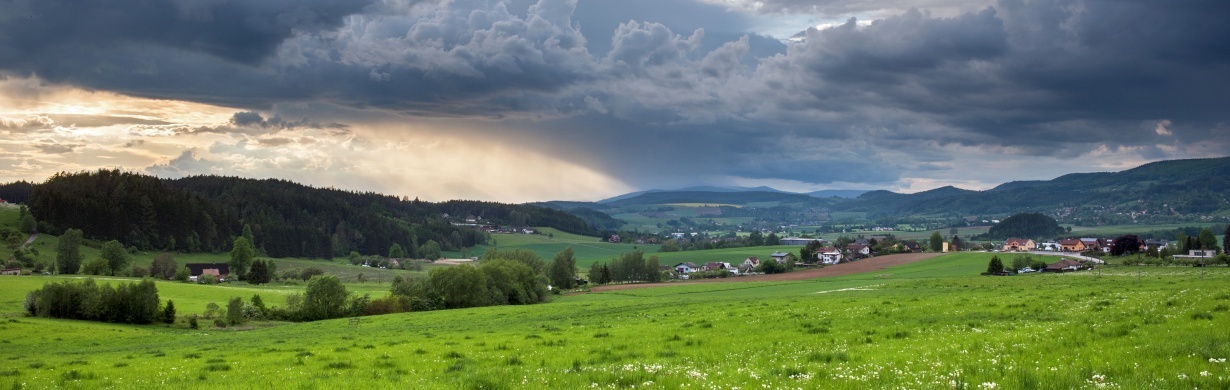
(927, 325)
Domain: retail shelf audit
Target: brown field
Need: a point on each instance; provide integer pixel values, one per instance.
(865, 265)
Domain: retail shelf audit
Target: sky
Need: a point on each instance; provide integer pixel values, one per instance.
(522, 100)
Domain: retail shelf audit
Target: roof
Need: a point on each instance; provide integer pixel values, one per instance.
(855, 247)
(1070, 241)
(688, 264)
(196, 269)
(715, 265)
(1017, 241)
(780, 254)
(1065, 263)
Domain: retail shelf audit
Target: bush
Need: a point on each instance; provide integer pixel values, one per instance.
(207, 279)
(234, 311)
(139, 272)
(306, 274)
(96, 266)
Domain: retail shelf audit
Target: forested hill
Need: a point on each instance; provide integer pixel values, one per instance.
(205, 213)
(1184, 187)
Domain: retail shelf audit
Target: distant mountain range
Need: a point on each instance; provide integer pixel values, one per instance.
(700, 190)
(1168, 188)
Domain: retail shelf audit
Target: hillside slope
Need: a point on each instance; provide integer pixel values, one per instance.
(204, 213)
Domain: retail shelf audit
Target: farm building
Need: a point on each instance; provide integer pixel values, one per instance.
(1065, 265)
(220, 270)
(780, 256)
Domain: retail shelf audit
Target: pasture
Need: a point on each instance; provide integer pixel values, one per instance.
(927, 325)
(551, 241)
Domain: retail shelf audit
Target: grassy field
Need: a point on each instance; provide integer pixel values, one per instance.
(550, 241)
(45, 245)
(928, 325)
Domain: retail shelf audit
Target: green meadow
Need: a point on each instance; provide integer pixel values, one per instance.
(551, 241)
(929, 325)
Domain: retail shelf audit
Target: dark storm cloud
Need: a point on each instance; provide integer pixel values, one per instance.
(240, 31)
(606, 78)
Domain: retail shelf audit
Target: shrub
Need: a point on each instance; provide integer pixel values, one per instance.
(234, 311)
(96, 266)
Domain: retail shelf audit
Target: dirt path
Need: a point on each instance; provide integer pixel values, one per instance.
(866, 265)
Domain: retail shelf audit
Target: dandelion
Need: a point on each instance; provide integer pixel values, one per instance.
(1216, 360)
(988, 385)
(1204, 373)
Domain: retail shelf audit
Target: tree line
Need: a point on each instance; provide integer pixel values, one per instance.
(129, 303)
(206, 213)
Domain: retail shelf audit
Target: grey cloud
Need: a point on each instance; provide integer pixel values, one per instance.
(241, 31)
(186, 164)
(28, 122)
(52, 147)
(275, 141)
(249, 119)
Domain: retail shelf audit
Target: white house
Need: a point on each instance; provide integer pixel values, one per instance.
(828, 255)
(751, 262)
(686, 268)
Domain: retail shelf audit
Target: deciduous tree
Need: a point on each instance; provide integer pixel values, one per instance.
(936, 242)
(242, 254)
(563, 269)
(68, 252)
(326, 297)
(430, 250)
(1125, 245)
(164, 266)
(1208, 240)
(396, 251)
(115, 255)
(234, 311)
